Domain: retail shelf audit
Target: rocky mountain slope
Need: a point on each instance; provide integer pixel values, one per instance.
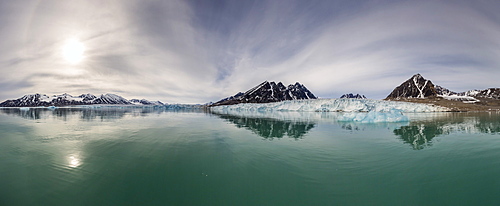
(353, 96)
(492, 93)
(420, 90)
(443, 91)
(269, 92)
(415, 87)
(36, 100)
(419, 87)
(145, 102)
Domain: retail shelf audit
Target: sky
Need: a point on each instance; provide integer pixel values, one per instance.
(197, 51)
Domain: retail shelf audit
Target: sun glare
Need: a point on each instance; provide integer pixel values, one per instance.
(73, 51)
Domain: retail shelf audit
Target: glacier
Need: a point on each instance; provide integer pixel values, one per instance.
(334, 105)
(464, 99)
(341, 110)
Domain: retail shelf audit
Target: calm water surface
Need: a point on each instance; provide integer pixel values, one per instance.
(113, 156)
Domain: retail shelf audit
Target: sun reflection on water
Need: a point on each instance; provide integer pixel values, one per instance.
(74, 161)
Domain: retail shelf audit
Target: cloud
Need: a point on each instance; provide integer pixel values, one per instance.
(381, 46)
(198, 51)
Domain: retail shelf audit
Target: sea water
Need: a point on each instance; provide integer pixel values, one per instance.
(150, 156)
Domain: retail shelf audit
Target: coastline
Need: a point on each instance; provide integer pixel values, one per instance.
(484, 105)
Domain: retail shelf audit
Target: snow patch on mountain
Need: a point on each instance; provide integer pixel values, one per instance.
(464, 99)
(468, 96)
(443, 91)
(146, 102)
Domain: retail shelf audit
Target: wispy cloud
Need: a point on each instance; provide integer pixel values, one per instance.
(200, 51)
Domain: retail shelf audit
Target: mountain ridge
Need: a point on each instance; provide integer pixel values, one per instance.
(353, 96)
(267, 92)
(37, 100)
(419, 87)
(415, 87)
(420, 90)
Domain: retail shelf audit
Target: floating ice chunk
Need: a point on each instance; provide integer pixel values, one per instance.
(24, 108)
(394, 115)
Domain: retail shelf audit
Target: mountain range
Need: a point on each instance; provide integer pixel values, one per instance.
(419, 87)
(353, 96)
(415, 88)
(36, 100)
(268, 92)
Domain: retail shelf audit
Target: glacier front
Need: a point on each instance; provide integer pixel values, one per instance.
(334, 105)
(346, 110)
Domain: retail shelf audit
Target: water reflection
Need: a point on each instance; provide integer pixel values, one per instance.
(89, 114)
(270, 128)
(73, 161)
(420, 133)
(294, 124)
(419, 136)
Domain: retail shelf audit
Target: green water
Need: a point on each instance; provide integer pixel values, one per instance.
(155, 157)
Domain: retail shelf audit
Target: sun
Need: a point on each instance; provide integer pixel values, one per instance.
(73, 51)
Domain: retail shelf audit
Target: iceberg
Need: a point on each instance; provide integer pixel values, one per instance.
(393, 115)
(334, 105)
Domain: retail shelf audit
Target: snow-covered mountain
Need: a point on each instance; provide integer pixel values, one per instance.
(145, 102)
(353, 96)
(269, 92)
(493, 93)
(235, 97)
(419, 87)
(35, 100)
(443, 91)
(471, 95)
(415, 87)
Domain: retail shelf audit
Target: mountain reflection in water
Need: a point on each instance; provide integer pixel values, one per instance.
(90, 114)
(419, 132)
(270, 128)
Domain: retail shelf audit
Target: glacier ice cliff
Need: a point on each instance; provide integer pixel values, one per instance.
(342, 110)
(334, 105)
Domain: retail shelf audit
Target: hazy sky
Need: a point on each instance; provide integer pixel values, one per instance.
(201, 50)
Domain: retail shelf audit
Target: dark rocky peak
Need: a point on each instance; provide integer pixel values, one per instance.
(267, 92)
(415, 87)
(33, 97)
(61, 97)
(443, 91)
(493, 93)
(236, 96)
(28, 100)
(87, 97)
(110, 99)
(353, 96)
(299, 91)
